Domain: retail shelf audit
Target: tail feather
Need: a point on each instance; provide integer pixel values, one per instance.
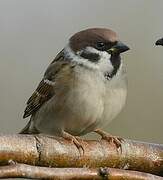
(28, 130)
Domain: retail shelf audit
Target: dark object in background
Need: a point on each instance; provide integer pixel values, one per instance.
(159, 42)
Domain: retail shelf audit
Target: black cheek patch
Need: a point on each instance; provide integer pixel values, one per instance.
(93, 57)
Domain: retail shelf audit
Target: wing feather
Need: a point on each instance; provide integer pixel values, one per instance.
(45, 89)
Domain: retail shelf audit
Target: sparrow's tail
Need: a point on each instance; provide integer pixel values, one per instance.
(28, 129)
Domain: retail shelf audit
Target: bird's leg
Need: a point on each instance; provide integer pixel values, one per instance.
(110, 138)
(75, 140)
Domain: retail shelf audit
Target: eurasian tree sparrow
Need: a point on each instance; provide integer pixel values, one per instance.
(159, 42)
(83, 89)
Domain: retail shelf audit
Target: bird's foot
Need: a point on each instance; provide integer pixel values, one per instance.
(76, 140)
(110, 138)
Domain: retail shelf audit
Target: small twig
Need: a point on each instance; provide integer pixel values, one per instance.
(28, 171)
(57, 152)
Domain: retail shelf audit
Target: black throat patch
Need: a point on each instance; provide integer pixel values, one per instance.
(116, 62)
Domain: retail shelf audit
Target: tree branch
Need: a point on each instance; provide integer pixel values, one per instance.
(57, 152)
(28, 171)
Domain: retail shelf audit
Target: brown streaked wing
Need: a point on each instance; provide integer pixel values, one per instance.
(45, 88)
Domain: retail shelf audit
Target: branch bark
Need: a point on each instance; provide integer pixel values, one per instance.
(57, 152)
(28, 171)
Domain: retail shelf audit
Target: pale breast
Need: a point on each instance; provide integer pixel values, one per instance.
(115, 99)
(85, 101)
(77, 104)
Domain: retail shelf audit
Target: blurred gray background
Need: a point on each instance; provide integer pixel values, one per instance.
(33, 31)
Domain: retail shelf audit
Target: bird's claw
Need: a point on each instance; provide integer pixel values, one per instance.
(76, 140)
(110, 138)
(114, 139)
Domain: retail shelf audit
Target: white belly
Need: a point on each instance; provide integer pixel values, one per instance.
(114, 102)
(74, 107)
(82, 107)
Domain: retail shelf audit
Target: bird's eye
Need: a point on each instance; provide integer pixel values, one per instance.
(100, 45)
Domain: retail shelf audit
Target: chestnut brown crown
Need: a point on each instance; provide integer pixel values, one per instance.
(91, 37)
(101, 39)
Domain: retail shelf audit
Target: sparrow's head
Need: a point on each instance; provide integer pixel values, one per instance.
(97, 48)
(159, 42)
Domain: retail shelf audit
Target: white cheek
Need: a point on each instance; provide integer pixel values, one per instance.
(79, 60)
(104, 63)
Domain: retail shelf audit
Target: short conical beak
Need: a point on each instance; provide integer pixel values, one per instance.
(159, 42)
(118, 48)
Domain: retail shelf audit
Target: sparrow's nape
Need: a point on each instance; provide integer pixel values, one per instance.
(159, 42)
(118, 48)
